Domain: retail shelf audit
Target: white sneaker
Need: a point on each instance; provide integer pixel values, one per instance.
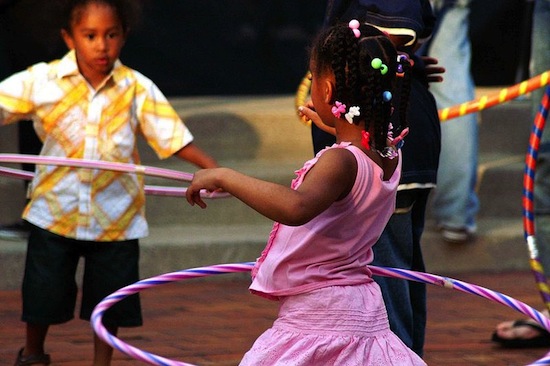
(456, 236)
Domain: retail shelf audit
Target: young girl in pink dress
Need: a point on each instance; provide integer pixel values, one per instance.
(315, 263)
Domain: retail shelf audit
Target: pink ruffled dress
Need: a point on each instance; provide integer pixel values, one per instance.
(331, 311)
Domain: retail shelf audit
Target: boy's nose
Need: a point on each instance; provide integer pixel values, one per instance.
(101, 43)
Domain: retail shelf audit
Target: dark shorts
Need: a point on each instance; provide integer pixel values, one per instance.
(49, 285)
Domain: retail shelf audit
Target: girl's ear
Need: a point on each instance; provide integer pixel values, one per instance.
(328, 90)
(67, 38)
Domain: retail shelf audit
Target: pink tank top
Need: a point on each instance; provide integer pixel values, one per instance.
(335, 247)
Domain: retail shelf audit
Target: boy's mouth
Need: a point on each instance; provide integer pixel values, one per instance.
(102, 61)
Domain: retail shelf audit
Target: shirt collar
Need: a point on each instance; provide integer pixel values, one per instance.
(69, 67)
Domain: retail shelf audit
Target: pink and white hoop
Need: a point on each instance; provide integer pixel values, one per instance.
(104, 165)
(152, 359)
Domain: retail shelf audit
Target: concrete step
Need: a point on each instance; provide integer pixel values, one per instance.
(261, 136)
(499, 246)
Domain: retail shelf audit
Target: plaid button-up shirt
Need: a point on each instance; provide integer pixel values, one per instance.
(73, 120)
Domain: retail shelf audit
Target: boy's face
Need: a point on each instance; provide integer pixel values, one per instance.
(97, 37)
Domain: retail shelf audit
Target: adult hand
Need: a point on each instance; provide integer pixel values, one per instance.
(433, 72)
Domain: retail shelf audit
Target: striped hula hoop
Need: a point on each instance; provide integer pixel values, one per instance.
(459, 110)
(153, 359)
(528, 198)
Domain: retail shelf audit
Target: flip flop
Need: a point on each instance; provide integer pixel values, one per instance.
(542, 340)
(43, 359)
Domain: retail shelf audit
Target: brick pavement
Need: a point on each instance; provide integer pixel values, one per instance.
(213, 322)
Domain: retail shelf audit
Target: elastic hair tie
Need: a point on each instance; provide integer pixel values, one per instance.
(338, 109)
(354, 26)
(354, 111)
(400, 60)
(400, 71)
(398, 141)
(377, 63)
(365, 139)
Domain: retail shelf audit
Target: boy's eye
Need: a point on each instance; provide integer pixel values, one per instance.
(89, 36)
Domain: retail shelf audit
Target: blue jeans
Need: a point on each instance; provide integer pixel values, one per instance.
(455, 202)
(399, 246)
(540, 62)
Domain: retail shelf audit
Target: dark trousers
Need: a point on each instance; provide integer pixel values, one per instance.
(399, 246)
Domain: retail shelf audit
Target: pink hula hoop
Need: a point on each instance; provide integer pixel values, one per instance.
(104, 165)
(152, 359)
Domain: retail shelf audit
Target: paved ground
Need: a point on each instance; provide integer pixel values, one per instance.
(213, 322)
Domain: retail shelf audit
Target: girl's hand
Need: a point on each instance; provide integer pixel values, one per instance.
(203, 179)
(308, 112)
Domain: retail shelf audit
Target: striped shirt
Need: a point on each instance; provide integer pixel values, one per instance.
(75, 120)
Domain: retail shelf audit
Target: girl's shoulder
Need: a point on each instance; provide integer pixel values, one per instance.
(340, 160)
(387, 167)
(339, 151)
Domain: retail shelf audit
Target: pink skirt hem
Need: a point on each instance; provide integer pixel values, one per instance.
(338, 325)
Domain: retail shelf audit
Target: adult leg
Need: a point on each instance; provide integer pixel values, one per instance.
(393, 250)
(399, 246)
(418, 289)
(455, 202)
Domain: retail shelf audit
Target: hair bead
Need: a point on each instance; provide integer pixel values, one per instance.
(377, 64)
(354, 26)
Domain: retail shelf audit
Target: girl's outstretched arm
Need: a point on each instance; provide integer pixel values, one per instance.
(329, 180)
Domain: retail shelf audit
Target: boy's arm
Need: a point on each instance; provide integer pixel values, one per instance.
(193, 154)
(15, 96)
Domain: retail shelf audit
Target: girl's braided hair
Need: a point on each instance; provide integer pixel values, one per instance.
(358, 83)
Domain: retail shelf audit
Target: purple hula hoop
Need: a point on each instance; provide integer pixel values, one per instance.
(152, 359)
(427, 278)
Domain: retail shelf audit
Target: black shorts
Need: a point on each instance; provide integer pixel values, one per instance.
(49, 285)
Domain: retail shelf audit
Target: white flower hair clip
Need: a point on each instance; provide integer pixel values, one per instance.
(353, 112)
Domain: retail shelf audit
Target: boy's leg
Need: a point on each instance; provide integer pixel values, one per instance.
(48, 290)
(110, 266)
(36, 335)
(103, 353)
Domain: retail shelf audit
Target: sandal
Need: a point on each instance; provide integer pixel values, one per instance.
(541, 340)
(43, 359)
